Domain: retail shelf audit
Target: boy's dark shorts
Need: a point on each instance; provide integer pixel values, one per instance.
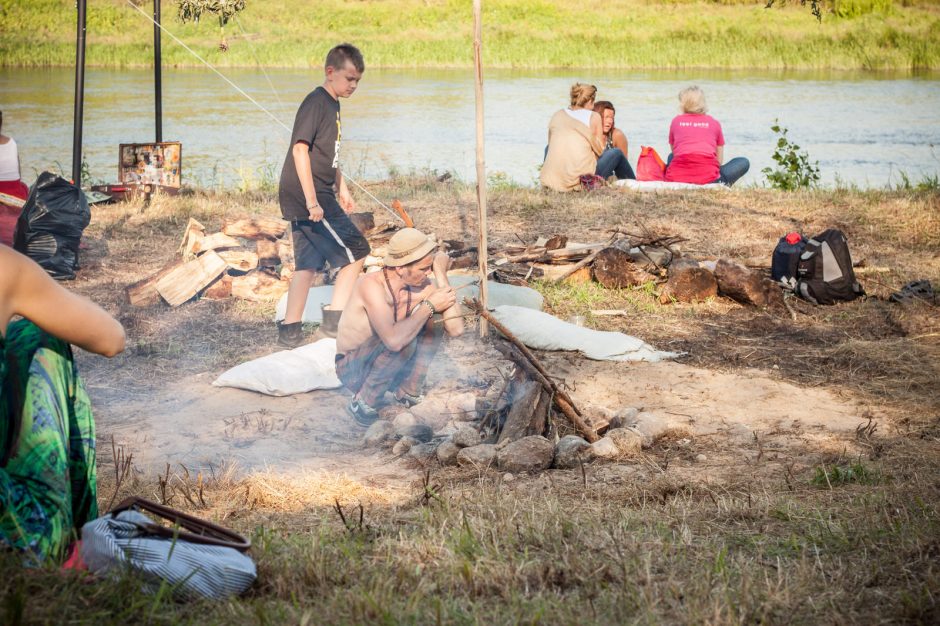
(334, 239)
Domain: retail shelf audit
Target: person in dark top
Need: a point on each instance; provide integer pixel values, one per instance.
(310, 181)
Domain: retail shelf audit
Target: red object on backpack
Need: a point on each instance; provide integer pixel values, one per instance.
(649, 165)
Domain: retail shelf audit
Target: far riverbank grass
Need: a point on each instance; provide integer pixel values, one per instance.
(625, 34)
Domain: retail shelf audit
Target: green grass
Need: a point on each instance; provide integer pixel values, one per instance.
(871, 35)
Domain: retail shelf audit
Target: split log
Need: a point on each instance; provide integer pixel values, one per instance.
(364, 222)
(258, 286)
(186, 281)
(528, 408)
(192, 235)
(220, 289)
(216, 241)
(516, 273)
(255, 227)
(739, 283)
(267, 253)
(144, 292)
(285, 252)
(615, 269)
(240, 260)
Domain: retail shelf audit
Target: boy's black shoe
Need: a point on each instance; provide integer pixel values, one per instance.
(408, 400)
(289, 335)
(364, 414)
(330, 324)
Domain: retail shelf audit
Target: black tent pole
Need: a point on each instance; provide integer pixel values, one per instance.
(79, 95)
(157, 71)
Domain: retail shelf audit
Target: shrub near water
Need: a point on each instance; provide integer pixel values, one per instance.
(794, 170)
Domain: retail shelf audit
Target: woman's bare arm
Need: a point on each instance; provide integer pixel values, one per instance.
(26, 289)
(720, 153)
(620, 141)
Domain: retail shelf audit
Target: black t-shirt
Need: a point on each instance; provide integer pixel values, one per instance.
(318, 125)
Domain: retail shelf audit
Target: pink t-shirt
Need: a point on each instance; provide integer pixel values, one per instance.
(694, 138)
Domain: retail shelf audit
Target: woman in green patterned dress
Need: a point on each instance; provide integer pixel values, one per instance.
(47, 433)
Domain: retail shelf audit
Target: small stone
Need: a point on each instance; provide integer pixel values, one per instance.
(481, 456)
(466, 436)
(421, 432)
(571, 451)
(404, 419)
(423, 452)
(529, 454)
(403, 445)
(447, 452)
(508, 477)
(377, 433)
(605, 448)
(628, 441)
(701, 458)
(432, 412)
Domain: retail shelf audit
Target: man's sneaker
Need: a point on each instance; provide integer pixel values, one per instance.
(289, 335)
(364, 414)
(407, 399)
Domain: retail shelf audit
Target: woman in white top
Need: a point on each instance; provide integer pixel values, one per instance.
(13, 192)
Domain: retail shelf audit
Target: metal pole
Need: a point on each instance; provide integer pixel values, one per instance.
(79, 95)
(481, 162)
(157, 71)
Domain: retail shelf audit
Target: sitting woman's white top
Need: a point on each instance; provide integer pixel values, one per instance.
(582, 115)
(9, 161)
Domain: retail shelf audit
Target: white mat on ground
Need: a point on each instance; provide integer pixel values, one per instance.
(542, 331)
(499, 294)
(287, 372)
(661, 185)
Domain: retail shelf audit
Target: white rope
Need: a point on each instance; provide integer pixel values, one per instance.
(253, 101)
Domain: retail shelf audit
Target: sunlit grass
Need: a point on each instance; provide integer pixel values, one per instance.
(517, 33)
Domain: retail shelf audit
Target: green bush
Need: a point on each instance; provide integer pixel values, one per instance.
(858, 8)
(794, 170)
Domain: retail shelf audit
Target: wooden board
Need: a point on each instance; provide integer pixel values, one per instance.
(186, 281)
(255, 227)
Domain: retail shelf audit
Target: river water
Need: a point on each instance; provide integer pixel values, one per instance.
(862, 129)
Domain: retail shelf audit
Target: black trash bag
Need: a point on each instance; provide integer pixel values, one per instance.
(50, 227)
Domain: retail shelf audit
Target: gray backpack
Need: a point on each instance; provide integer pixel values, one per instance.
(824, 273)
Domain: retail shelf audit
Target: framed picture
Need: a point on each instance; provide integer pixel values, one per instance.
(151, 163)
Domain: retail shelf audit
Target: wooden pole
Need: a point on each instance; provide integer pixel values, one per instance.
(157, 73)
(481, 162)
(79, 95)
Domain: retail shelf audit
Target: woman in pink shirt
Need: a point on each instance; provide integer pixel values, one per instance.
(698, 145)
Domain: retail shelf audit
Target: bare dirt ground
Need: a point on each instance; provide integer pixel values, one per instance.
(752, 382)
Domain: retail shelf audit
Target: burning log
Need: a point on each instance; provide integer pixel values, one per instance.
(528, 410)
(535, 369)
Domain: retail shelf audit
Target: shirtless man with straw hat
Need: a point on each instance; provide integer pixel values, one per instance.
(387, 336)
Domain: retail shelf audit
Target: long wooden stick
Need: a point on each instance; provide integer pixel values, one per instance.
(481, 162)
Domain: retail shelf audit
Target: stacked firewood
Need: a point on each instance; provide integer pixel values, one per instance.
(251, 258)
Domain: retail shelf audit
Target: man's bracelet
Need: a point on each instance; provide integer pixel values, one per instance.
(430, 306)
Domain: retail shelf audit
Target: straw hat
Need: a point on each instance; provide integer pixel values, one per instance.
(407, 246)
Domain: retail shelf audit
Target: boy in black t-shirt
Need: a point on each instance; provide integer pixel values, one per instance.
(310, 180)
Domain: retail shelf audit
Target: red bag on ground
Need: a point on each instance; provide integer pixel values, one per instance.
(13, 194)
(649, 165)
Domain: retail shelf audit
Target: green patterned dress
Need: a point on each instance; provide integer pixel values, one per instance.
(47, 445)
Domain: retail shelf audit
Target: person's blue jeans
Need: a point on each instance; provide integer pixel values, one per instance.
(730, 172)
(733, 170)
(613, 161)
